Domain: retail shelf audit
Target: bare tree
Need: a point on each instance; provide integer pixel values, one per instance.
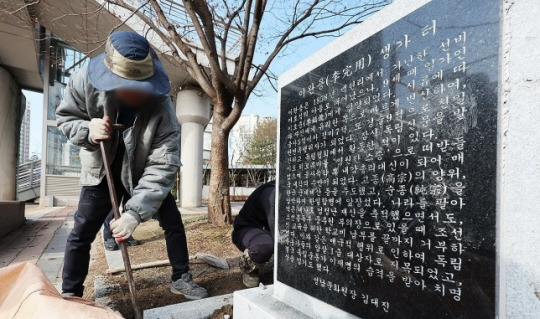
(265, 30)
(253, 174)
(252, 32)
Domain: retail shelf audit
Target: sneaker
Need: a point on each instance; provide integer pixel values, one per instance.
(69, 295)
(111, 244)
(246, 264)
(187, 287)
(251, 280)
(250, 269)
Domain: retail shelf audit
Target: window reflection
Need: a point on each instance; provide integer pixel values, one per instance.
(62, 156)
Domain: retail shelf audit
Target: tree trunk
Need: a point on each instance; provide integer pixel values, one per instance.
(219, 205)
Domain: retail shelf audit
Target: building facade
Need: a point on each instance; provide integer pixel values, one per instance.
(241, 135)
(24, 141)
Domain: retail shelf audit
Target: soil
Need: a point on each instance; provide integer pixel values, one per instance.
(226, 310)
(153, 284)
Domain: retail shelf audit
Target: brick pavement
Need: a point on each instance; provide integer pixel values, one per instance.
(41, 240)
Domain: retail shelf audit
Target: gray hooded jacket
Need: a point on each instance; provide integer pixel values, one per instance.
(151, 159)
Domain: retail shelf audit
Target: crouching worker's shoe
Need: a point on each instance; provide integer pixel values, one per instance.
(251, 280)
(187, 287)
(250, 269)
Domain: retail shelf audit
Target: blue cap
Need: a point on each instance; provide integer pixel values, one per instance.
(129, 62)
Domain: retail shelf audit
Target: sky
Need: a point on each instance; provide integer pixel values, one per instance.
(267, 104)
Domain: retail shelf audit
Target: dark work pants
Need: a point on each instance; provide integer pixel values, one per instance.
(94, 206)
(258, 242)
(107, 232)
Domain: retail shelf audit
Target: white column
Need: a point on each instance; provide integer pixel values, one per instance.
(193, 112)
(9, 103)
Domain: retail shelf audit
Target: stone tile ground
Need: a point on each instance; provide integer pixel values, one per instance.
(41, 240)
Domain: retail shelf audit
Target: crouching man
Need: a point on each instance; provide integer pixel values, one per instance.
(125, 85)
(254, 232)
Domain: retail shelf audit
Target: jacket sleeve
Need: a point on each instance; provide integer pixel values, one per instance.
(71, 115)
(159, 174)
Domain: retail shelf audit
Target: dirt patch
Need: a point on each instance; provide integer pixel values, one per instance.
(202, 237)
(226, 310)
(153, 284)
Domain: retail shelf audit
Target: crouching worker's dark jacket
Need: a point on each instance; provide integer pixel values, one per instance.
(258, 211)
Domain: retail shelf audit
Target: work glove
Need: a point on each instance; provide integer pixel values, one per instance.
(99, 130)
(123, 227)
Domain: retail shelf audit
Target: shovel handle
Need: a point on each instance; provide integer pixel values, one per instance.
(116, 212)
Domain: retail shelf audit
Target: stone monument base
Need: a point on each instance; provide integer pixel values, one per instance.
(198, 309)
(259, 303)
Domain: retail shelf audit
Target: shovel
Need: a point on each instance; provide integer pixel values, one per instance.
(116, 212)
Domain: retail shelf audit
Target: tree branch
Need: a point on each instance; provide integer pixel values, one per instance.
(286, 38)
(198, 72)
(258, 13)
(226, 28)
(243, 44)
(233, 117)
(199, 9)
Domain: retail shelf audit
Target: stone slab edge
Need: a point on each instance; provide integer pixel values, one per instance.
(199, 309)
(259, 303)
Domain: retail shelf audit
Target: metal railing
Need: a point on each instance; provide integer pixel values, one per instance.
(29, 176)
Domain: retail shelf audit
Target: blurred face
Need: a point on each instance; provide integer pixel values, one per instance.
(131, 98)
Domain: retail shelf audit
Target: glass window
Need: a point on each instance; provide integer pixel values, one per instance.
(62, 156)
(56, 94)
(64, 61)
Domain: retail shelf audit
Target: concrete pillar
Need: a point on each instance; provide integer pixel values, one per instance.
(9, 105)
(519, 168)
(193, 112)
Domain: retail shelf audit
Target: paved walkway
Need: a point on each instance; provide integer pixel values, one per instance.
(41, 240)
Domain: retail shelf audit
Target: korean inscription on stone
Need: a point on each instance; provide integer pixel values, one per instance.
(380, 193)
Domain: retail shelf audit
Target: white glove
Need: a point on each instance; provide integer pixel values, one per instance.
(123, 228)
(99, 130)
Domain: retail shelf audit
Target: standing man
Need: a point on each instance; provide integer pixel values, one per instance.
(125, 85)
(254, 232)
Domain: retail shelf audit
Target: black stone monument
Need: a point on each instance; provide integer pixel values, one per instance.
(387, 169)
